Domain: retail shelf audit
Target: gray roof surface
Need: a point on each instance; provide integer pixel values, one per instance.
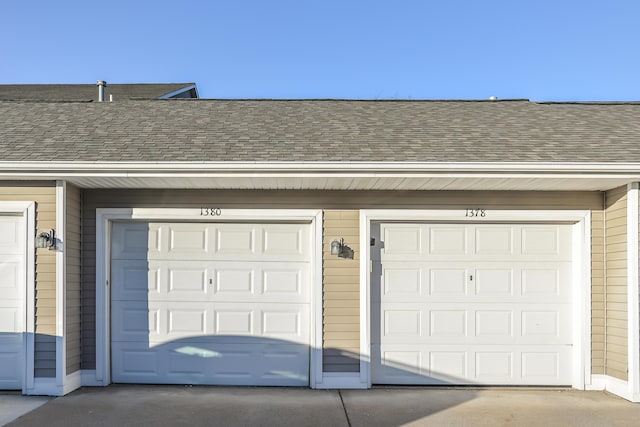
(87, 92)
(320, 130)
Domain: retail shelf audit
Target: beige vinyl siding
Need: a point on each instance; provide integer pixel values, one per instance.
(341, 293)
(597, 292)
(615, 298)
(340, 287)
(72, 247)
(44, 194)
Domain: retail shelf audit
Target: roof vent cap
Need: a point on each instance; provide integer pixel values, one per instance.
(101, 85)
(493, 98)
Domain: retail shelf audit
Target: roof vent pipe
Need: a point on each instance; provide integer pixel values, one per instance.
(101, 85)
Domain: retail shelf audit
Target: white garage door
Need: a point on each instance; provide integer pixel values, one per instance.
(12, 300)
(225, 303)
(472, 304)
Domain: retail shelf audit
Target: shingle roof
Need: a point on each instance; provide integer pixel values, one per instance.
(87, 92)
(320, 130)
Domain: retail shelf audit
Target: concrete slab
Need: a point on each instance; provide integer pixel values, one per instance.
(487, 407)
(13, 406)
(139, 405)
(136, 405)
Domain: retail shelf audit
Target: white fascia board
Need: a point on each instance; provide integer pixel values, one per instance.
(310, 169)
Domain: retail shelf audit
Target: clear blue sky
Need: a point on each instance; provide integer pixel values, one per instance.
(417, 49)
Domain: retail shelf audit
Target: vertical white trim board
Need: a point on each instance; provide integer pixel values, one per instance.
(104, 218)
(633, 301)
(61, 298)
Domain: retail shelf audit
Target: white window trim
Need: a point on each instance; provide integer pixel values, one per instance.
(105, 216)
(581, 220)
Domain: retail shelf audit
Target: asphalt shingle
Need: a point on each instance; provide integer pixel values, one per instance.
(320, 130)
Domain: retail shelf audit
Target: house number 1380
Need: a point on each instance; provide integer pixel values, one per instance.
(210, 212)
(475, 213)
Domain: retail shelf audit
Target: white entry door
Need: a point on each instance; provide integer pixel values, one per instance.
(223, 303)
(12, 301)
(472, 304)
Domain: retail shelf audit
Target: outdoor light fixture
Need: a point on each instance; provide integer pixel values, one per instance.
(341, 250)
(46, 240)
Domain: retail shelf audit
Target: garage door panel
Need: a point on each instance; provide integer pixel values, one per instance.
(206, 241)
(495, 240)
(10, 317)
(159, 322)
(212, 363)
(403, 282)
(237, 240)
(11, 277)
(185, 239)
(223, 281)
(11, 235)
(481, 281)
(11, 366)
(135, 280)
(403, 323)
(484, 303)
(449, 323)
(285, 240)
(403, 239)
(465, 364)
(449, 241)
(135, 321)
(448, 282)
(134, 241)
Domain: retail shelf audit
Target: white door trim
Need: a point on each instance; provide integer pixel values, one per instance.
(105, 216)
(581, 220)
(28, 212)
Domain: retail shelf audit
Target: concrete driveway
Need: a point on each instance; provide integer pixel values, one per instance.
(134, 405)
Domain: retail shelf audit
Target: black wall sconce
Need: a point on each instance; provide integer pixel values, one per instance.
(46, 240)
(341, 250)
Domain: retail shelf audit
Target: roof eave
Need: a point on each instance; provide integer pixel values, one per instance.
(331, 176)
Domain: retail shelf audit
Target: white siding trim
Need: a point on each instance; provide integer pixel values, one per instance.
(582, 278)
(365, 300)
(72, 382)
(633, 334)
(315, 363)
(104, 217)
(581, 245)
(30, 348)
(88, 378)
(350, 380)
(61, 297)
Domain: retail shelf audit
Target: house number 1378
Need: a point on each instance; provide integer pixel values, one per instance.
(475, 213)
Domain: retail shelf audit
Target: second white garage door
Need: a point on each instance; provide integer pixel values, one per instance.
(224, 303)
(472, 304)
